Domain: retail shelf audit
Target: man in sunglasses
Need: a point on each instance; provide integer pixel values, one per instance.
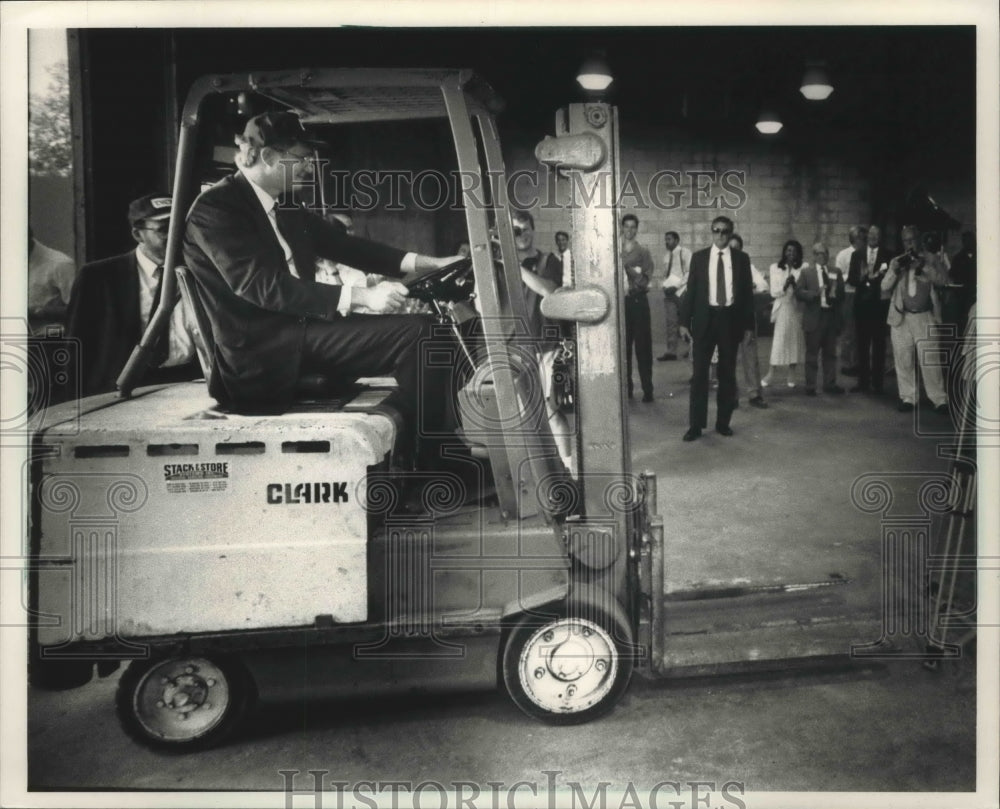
(717, 311)
(113, 300)
(254, 257)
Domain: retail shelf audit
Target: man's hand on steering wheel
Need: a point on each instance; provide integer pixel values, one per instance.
(385, 298)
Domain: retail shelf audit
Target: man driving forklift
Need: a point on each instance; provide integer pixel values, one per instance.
(254, 260)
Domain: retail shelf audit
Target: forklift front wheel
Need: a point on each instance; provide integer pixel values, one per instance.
(182, 704)
(569, 669)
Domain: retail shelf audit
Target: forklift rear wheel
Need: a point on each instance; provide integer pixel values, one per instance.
(182, 704)
(569, 669)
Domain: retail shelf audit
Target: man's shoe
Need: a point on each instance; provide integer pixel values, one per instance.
(692, 434)
(810, 391)
(758, 401)
(666, 357)
(833, 389)
(905, 407)
(726, 431)
(859, 389)
(647, 397)
(852, 371)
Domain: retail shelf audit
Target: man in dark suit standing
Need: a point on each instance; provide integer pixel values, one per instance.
(254, 260)
(869, 264)
(717, 311)
(113, 300)
(821, 288)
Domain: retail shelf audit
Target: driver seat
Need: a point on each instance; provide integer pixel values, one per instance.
(309, 386)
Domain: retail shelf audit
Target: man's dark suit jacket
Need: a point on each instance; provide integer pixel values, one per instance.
(808, 291)
(104, 316)
(257, 309)
(867, 298)
(695, 309)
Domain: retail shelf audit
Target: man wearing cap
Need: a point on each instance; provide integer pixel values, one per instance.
(254, 259)
(113, 299)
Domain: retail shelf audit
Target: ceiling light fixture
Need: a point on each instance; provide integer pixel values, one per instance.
(768, 122)
(594, 74)
(816, 83)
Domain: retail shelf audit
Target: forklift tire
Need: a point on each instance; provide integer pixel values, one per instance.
(183, 704)
(569, 668)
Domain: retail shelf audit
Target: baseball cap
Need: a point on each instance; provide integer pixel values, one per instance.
(277, 129)
(149, 208)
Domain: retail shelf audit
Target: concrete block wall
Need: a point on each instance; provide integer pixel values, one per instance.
(809, 193)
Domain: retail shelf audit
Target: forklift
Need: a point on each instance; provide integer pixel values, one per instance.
(226, 557)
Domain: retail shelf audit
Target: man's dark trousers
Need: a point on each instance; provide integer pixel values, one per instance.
(638, 331)
(391, 345)
(721, 331)
(822, 339)
(869, 323)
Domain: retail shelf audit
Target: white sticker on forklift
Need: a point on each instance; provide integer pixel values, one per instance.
(196, 477)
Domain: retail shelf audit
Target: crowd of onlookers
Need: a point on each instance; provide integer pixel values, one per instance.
(860, 313)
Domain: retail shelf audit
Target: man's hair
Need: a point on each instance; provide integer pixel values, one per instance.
(820, 247)
(672, 233)
(562, 233)
(727, 220)
(857, 232)
(738, 238)
(520, 215)
(630, 217)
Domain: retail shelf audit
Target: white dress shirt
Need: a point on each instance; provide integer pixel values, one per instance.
(823, 302)
(677, 277)
(180, 345)
(843, 263)
(727, 262)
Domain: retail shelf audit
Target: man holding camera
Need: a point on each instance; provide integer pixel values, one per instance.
(913, 308)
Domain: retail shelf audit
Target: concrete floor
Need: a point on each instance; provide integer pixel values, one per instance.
(770, 505)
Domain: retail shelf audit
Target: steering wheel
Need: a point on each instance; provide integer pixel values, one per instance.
(450, 284)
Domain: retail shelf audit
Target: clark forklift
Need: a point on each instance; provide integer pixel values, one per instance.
(225, 557)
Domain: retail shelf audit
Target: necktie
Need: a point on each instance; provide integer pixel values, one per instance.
(158, 278)
(670, 263)
(720, 282)
(281, 233)
(824, 281)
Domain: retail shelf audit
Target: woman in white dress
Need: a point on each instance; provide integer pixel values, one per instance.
(789, 345)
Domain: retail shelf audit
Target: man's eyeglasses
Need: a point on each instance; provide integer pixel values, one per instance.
(727, 231)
